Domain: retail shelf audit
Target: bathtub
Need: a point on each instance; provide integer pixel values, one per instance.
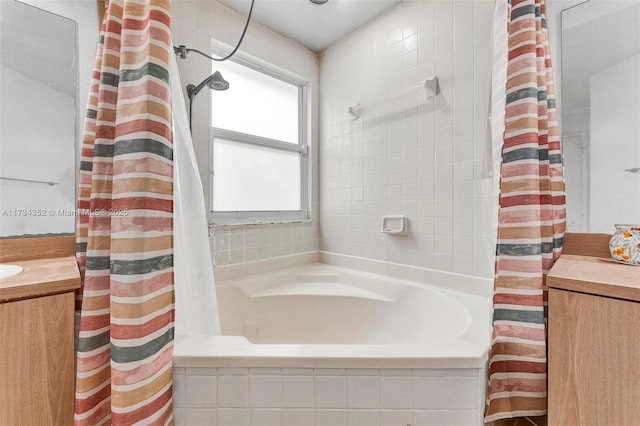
(325, 344)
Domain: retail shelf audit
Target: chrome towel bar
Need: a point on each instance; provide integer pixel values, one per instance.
(30, 181)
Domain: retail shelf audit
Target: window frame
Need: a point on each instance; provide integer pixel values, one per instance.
(302, 147)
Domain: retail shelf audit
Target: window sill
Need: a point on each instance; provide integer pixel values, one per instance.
(258, 223)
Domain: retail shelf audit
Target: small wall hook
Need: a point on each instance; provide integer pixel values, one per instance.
(353, 113)
(431, 87)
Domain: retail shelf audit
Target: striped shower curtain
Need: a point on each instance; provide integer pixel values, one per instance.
(125, 223)
(531, 219)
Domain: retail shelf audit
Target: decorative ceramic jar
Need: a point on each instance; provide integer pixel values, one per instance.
(625, 244)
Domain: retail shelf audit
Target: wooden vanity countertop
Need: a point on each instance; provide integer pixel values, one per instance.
(596, 275)
(41, 277)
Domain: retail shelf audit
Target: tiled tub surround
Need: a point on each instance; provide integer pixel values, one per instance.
(239, 244)
(397, 376)
(420, 159)
(328, 396)
(406, 155)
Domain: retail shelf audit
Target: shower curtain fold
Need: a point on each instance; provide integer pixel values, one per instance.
(196, 303)
(531, 218)
(124, 236)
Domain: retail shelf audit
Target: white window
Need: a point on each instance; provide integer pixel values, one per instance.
(259, 149)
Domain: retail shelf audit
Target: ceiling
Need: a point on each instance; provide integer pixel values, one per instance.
(39, 45)
(314, 26)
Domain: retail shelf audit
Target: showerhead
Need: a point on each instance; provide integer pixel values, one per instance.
(215, 82)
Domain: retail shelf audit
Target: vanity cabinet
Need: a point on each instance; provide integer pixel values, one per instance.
(37, 353)
(594, 343)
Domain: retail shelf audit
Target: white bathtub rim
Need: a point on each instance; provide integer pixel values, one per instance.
(237, 351)
(469, 284)
(318, 289)
(451, 289)
(263, 266)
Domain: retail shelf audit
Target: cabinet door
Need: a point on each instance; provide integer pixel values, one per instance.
(37, 361)
(594, 360)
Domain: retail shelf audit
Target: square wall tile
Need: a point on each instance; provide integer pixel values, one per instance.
(331, 418)
(395, 417)
(395, 392)
(179, 390)
(201, 417)
(298, 417)
(180, 416)
(330, 391)
(445, 418)
(233, 391)
(445, 393)
(233, 417)
(266, 417)
(297, 391)
(363, 392)
(265, 391)
(363, 418)
(203, 371)
(200, 391)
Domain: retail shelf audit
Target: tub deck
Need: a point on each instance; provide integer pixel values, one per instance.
(237, 351)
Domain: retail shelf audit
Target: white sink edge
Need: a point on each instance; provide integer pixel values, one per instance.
(7, 270)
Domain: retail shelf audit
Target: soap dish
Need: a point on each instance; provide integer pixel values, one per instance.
(394, 225)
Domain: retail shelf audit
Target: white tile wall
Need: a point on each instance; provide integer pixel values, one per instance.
(330, 391)
(363, 391)
(395, 392)
(403, 156)
(297, 417)
(265, 391)
(363, 418)
(332, 397)
(396, 417)
(232, 417)
(266, 417)
(209, 386)
(202, 417)
(438, 418)
(233, 391)
(408, 156)
(297, 391)
(195, 23)
(238, 244)
(460, 395)
(331, 418)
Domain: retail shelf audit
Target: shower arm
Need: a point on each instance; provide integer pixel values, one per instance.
(193, 90)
